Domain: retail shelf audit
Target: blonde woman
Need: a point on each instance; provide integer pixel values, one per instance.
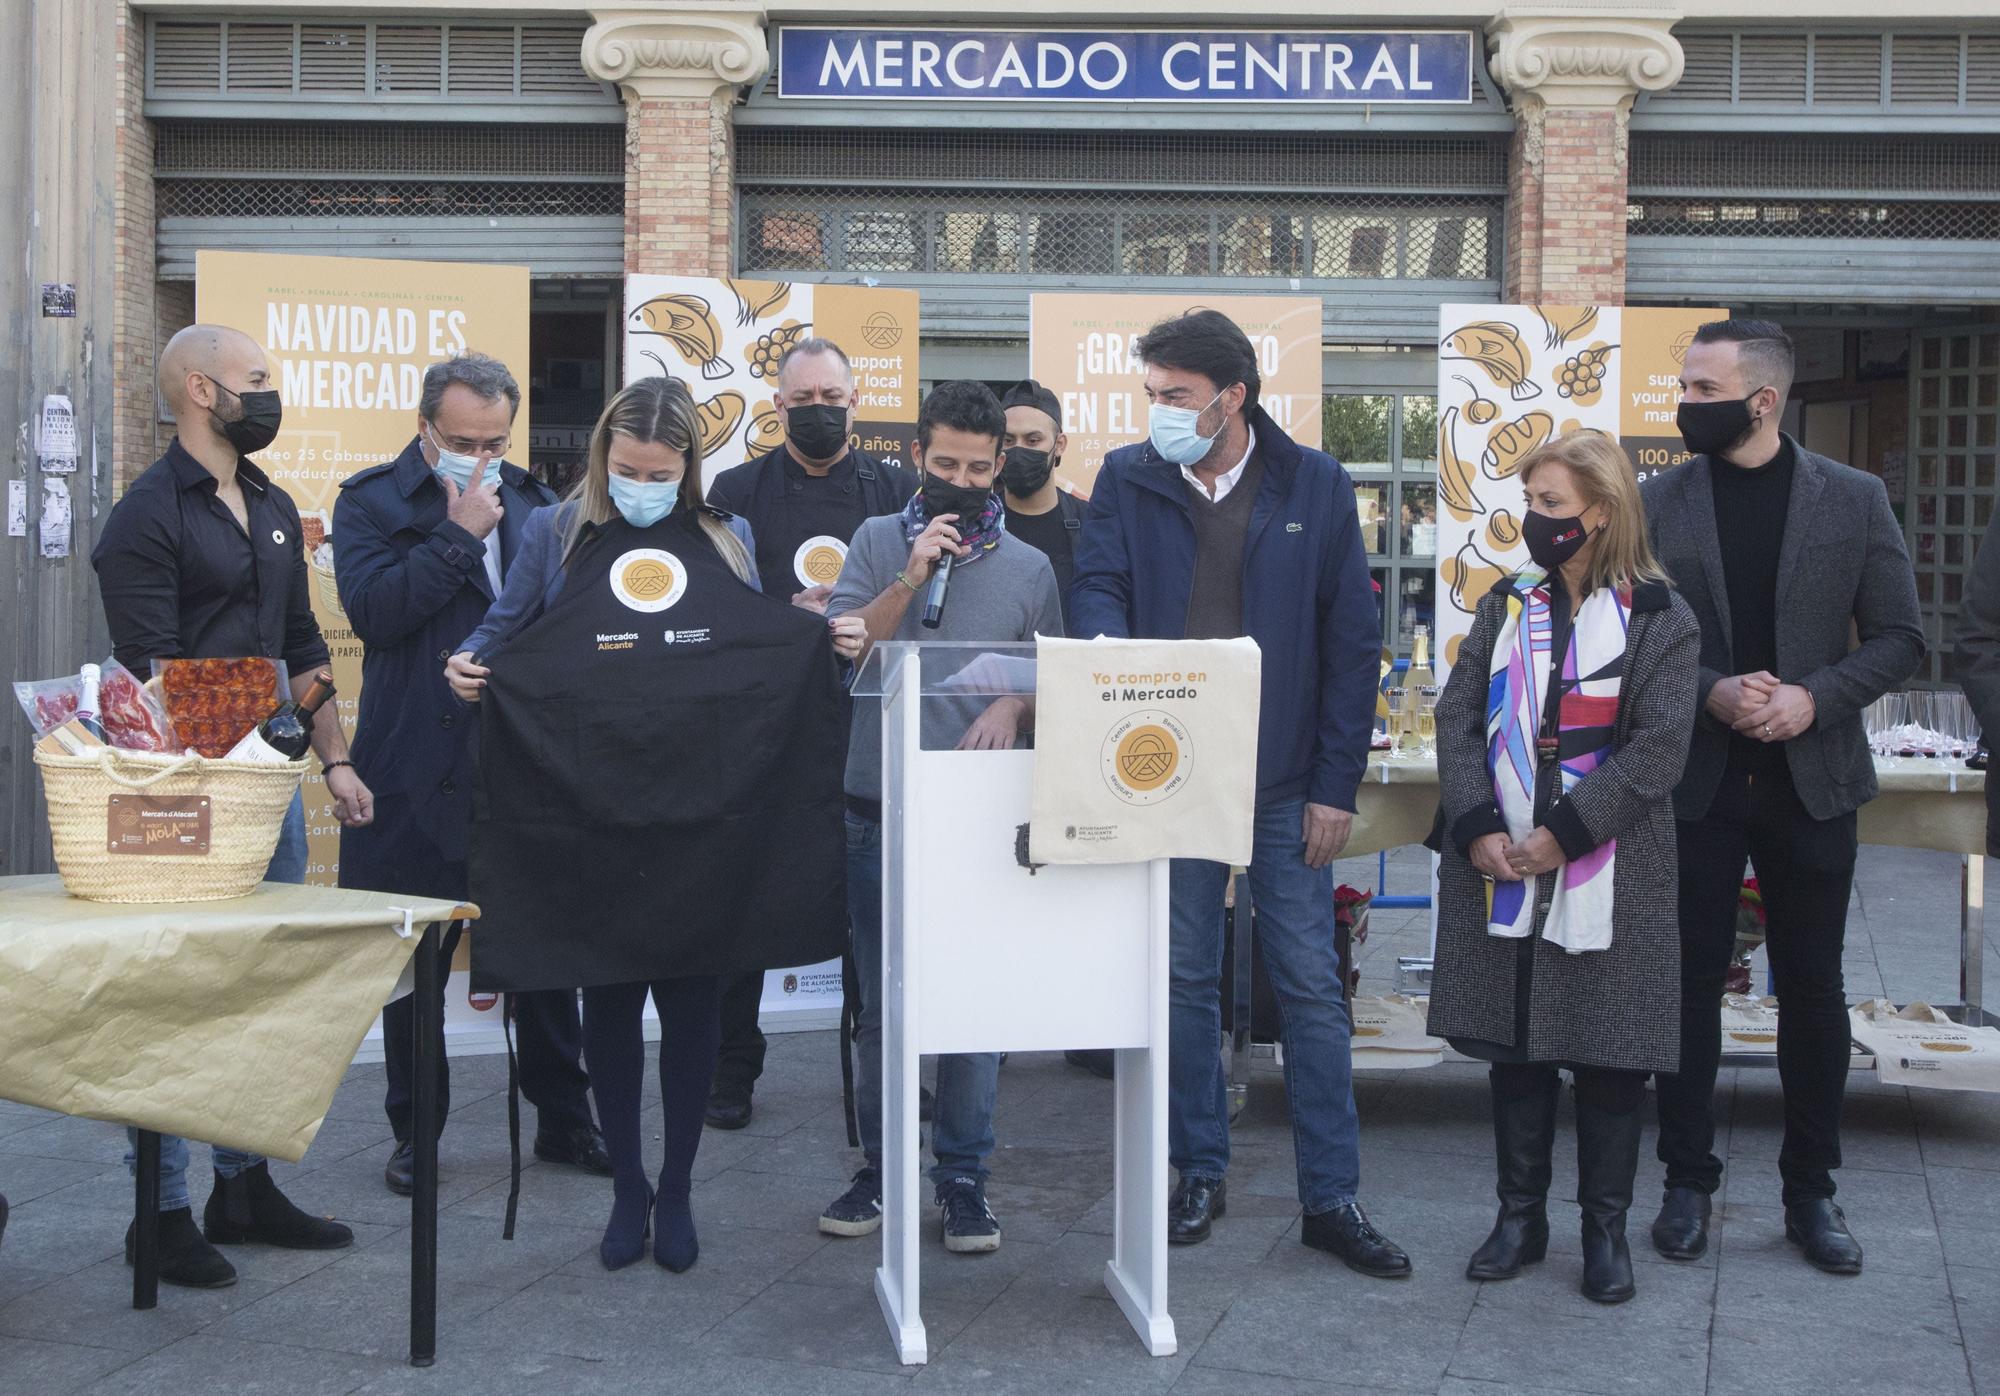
(1560, 736)
(645, 466)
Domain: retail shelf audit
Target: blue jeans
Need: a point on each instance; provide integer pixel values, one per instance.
(288, 864)
(1294, 909)
(967, 1083)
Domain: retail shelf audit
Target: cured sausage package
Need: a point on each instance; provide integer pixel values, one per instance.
(213, 702)
(132, 718)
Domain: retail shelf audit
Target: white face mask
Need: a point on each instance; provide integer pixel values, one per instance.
(460, 470)
(1173, 433)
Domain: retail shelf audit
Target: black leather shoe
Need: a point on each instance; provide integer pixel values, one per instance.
(1098, 1061)
(582, 1147)
(186, 1258)
(1346, 1232)
(1196, 1203)
(248, 1210)
(400, 1174)
(1821, 1228)
(729, 1111)
(1680, 1232)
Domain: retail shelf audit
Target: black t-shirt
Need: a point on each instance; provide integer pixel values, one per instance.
(1750, 510)
(1057, 541)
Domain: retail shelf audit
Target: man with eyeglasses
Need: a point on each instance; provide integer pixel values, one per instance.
(421, 546)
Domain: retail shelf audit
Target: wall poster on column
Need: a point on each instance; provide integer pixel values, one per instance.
(1080, 349)
(724, 339)
(1511, 377)
(348, 340)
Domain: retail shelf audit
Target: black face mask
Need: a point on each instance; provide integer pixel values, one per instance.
(258, 427)
(1709, 428)
(941, 496)
(1552, 541)
(1026, 471)
(819, 431)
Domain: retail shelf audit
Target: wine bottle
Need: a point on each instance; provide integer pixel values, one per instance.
(86, 703)
(286, 733)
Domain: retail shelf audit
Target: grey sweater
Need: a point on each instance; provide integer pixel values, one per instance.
(1008, 595)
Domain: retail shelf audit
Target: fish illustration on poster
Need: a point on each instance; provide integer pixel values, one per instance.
(725, 339)
(1512, 378)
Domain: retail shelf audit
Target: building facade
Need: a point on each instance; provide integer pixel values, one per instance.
(1820, 164)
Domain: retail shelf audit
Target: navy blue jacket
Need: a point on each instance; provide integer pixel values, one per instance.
(413, 585)
(1307, 600)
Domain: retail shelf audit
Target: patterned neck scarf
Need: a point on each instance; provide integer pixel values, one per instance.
(1593, 665)
(983, 537)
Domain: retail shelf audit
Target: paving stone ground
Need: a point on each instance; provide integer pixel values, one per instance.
(774, 1307)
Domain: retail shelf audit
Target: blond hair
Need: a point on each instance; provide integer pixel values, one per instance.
(1624, 554)
(652, 410)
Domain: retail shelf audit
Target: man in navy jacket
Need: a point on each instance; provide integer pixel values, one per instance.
(1219, 526)
(420, 548)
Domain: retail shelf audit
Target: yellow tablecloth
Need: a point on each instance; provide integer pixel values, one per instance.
(1922, 805)
(228, 1022)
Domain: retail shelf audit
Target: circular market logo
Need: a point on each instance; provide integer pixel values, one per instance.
(881, 331)
(1147, 757)
(647, 579)
(819, 560)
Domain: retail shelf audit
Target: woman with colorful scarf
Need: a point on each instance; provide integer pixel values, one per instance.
(1560, 737)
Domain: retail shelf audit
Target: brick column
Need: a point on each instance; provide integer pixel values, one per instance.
(1571, 76)
(679, 72)
(135, 320)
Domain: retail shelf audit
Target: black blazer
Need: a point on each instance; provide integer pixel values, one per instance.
(1843, 572)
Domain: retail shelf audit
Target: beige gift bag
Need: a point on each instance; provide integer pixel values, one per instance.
(1145, 749)
(1919, 1046)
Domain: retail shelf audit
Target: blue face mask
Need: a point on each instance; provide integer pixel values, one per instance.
(1173, 431)
(644, 502)
(460, 470)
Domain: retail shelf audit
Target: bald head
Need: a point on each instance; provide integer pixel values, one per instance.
(201, 356)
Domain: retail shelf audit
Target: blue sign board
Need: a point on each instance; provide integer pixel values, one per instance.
(1074, 65)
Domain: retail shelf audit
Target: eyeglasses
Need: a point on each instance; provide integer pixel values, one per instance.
(466, 446)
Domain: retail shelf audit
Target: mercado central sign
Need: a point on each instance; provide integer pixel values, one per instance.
(1076, 65)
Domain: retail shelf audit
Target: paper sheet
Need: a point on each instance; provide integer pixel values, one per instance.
(228, 1022)
(55, 447)
(56, 516)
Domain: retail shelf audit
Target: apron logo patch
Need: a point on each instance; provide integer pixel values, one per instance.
(1147, 757)
(819, 560)
(688, 637)
(647, 579)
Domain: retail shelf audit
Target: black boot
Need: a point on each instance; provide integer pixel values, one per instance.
(185, 1258)
(1607, 1159)
(1524, 1134)
(248, 1210)
(1680, 1232)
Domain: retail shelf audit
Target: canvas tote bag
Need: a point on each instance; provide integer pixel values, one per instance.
(1144, 749)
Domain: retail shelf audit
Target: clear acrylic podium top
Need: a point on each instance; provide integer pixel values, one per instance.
(951, 669)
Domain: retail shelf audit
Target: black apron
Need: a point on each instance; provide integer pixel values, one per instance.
(805, 525)
(659, 783)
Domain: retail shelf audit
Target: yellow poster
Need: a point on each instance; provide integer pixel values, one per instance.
(724, 340)
(1080, 348)
(1511, 377)
(348, 339)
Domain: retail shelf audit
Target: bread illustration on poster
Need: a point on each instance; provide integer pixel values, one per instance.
(718, 418)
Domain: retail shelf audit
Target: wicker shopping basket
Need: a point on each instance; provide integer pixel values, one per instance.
(219, 819)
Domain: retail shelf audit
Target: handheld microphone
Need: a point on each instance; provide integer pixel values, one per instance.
(934, 599)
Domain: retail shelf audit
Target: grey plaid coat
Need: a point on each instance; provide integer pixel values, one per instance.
(1618, 1007)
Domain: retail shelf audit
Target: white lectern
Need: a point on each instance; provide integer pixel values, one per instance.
(1061, 957)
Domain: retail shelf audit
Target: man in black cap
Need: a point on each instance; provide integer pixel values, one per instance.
(1039, 513)
(1046, 517)
(803, 500)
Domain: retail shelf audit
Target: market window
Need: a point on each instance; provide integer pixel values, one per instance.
(1388, 443)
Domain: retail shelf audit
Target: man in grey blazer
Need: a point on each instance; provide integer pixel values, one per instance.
(1781, 553)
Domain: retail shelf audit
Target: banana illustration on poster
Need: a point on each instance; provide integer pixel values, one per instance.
(1510, 379)
(724, 339)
